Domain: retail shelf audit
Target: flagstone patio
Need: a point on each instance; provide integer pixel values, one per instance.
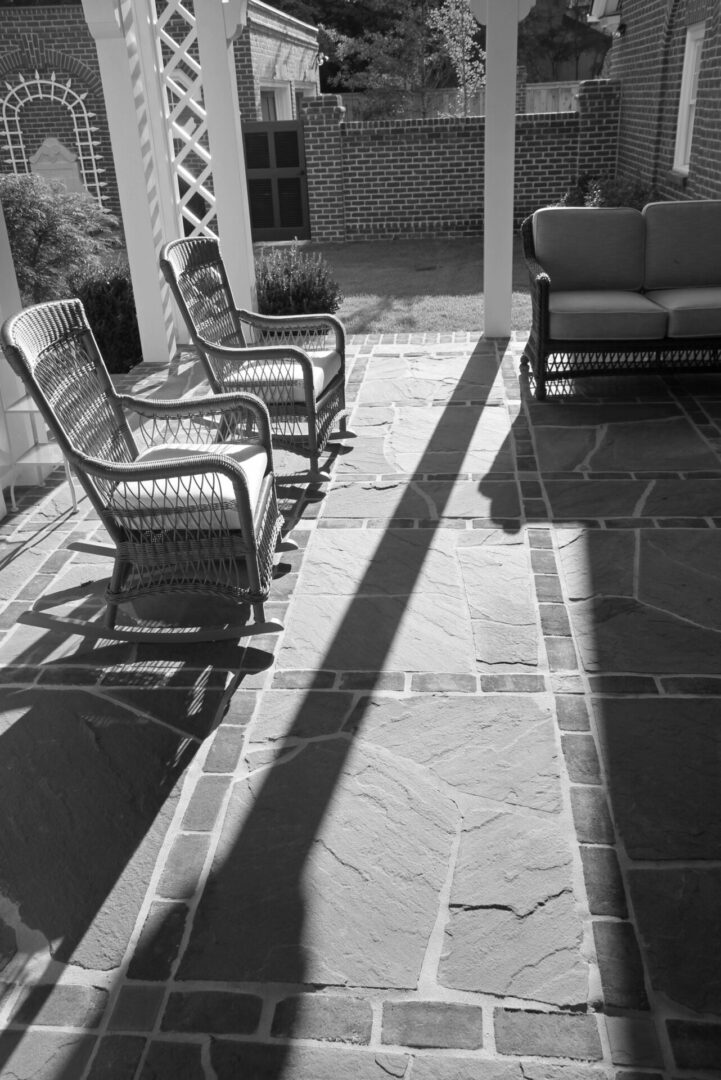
(459, 821)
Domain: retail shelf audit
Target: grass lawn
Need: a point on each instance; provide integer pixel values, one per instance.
(418, 285)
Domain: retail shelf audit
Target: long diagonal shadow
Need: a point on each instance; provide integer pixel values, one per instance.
(258, 875)
(249, 924)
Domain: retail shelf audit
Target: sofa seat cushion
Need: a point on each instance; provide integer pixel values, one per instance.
(137, 502)
(604, 315)
(691, 312)
(683, 244)
(582, 247)
(281, 381)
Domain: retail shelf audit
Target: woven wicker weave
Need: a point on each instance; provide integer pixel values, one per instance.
(262, 353)
(189, 523)
(563, 361)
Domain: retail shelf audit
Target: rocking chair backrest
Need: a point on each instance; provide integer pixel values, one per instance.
(52, 349)
(196, 275)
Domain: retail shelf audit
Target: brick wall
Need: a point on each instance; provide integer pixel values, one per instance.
(648, 63)
(46, 40)
(424, 178)
(273, 48)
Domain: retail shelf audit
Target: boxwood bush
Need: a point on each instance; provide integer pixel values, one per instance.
(291, 281)
(588, 189)
(107, 296)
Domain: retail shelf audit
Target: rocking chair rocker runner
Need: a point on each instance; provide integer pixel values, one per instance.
(184, 488)
(295, 363)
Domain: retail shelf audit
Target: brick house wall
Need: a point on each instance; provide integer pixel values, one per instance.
(55, 39)
(274, 49)
(648, 63)
(424, 178)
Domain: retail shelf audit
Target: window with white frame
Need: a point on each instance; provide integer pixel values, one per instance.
(687, 102)
(275, 102)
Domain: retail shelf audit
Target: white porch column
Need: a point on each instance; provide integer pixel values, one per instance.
(217, 24)
(10, 385)
(133, 169)
(501, 18)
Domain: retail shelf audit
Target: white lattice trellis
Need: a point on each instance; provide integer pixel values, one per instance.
(62, 93)
(175, 34)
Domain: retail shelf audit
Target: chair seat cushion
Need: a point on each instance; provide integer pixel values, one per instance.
(604, 315)
(683, 244)
(585, 247)
(280, 382)
(691, 312)
(197, 497)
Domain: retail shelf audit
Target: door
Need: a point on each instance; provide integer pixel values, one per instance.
(277, 187)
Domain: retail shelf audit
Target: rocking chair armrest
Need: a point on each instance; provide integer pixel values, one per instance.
(199, 408)
(298, 322)
(168, 469)
(267, 354)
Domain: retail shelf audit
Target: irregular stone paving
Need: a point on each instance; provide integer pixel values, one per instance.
(459, 821)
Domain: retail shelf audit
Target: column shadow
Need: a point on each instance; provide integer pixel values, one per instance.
(627, 472)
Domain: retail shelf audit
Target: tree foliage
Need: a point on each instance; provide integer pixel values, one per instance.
(55, 235)
(399, 55)
(554, 34)
(459, 34)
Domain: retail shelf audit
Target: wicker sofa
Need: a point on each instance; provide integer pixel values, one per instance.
(621, 291)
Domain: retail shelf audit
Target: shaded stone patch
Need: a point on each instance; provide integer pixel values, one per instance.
(87, 793)
(594, 498)
(276, 906)
(670, 443)
(678, 928)
(695, 1045)
(676, 498)
(171, 1060)
(662, 766)
(212, 1011)
(680, 574)
(625, 635)
(118, 1057)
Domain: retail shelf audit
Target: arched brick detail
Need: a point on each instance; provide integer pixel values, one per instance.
(60, 92)
(39, 58)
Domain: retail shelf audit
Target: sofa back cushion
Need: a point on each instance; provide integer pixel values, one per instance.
(683, 244)
(584, 247)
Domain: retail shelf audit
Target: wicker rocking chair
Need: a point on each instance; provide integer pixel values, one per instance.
(184, 488)
(295, 363)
